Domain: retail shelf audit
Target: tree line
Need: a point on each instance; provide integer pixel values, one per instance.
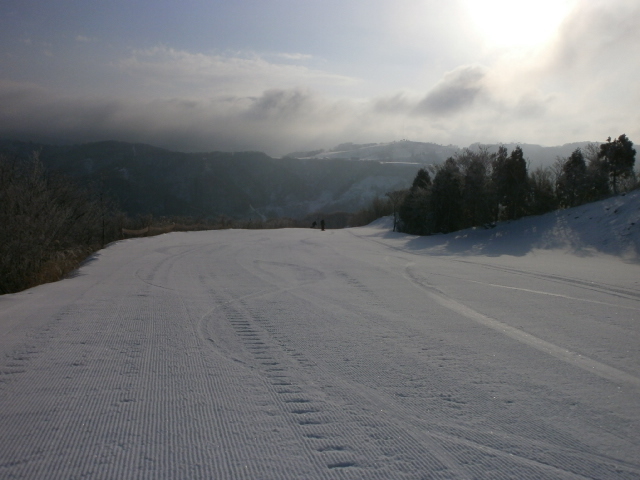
(479, 188)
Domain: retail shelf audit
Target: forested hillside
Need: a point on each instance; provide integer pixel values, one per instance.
(478, 188)
(143, 180)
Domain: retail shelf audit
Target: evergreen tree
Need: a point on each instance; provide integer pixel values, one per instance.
(499, 180)
(542, 198)
(597, 174)
(619, 157)
(572, 187)
(414, 211)
(475, 199)
(446, 198)
(422, 180)
(510, 181)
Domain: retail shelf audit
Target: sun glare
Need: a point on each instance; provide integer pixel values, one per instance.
(517, 23)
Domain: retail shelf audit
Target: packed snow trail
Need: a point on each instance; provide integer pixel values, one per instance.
(291, 354)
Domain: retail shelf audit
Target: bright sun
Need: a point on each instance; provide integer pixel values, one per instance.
(517, 23)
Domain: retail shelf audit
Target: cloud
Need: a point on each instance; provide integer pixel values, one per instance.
(178, 72)
(277, 121)
(455, 92)
(395, 104)
(597, 34)
(588, 73)
(295, 56)
(533, 104)
(277, 104)
(580, 86)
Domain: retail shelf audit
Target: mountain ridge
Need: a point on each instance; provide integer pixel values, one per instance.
(427, 152)
(144, 179)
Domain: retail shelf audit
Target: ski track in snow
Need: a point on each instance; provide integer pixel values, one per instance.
(319, 355)
(559, 352)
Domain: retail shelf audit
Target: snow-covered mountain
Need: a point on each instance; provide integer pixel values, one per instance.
(426, 153)
(401, 151)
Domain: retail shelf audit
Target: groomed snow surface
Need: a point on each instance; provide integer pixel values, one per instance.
(511, 352)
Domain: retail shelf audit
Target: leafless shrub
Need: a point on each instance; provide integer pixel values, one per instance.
(47, 224)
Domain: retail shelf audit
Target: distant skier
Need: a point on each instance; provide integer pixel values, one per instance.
(322, 224)
(313, 225)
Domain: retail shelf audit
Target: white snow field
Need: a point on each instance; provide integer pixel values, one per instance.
(512, 352)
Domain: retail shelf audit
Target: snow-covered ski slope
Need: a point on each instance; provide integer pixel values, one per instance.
(358, 354)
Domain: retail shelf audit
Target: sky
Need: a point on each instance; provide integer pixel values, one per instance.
(287, 75)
